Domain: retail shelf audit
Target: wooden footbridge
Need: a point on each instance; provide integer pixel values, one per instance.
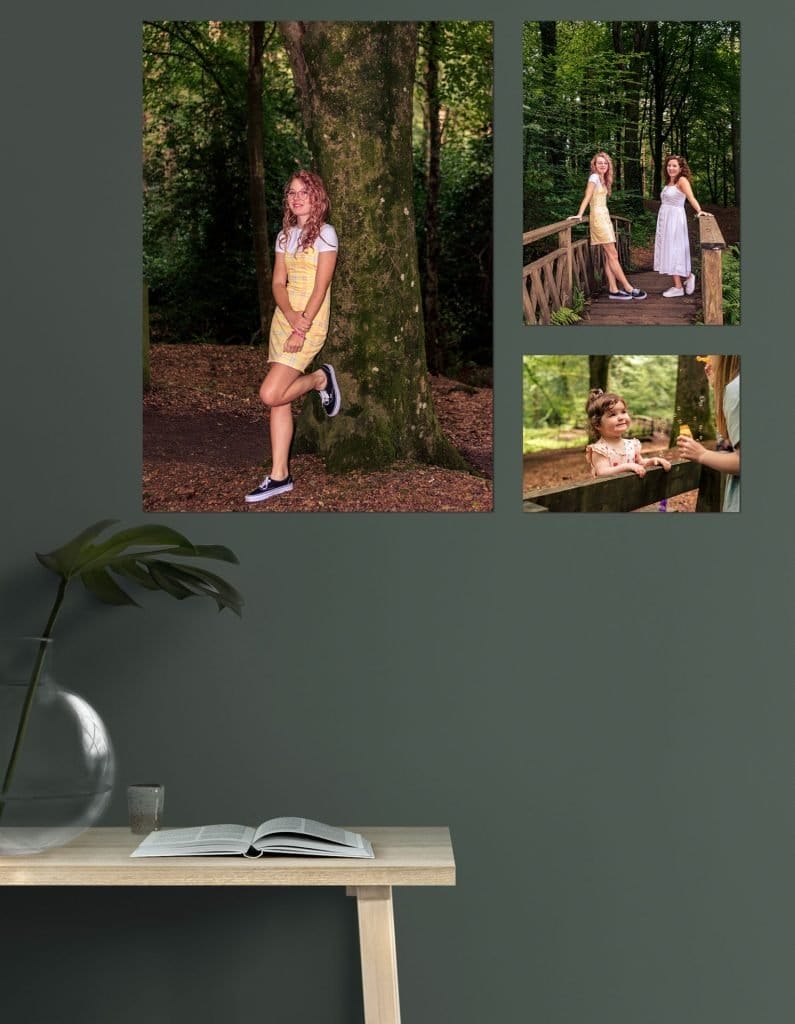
(549, 282)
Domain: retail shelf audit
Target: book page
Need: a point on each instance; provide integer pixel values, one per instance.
(303, 835)
(196, 841)
(305, 827)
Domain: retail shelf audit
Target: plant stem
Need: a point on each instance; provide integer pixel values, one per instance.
(31, 694)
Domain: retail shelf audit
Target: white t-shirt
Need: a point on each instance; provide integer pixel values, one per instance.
(595, 179)
(326, 241)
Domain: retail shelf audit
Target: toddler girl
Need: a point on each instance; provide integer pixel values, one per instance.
(612, 453)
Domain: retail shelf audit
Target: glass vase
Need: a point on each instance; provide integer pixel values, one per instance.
(56, 759)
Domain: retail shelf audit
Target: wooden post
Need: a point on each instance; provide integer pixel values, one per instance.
(712, 246)
(564, 242)
(710, 490)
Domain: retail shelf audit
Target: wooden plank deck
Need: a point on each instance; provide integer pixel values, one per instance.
(602, 311)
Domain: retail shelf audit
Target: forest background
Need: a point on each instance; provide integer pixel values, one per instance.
(231, 110)
(199, 177)
(639, 90)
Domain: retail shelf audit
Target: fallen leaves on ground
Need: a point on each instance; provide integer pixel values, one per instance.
(206, 444)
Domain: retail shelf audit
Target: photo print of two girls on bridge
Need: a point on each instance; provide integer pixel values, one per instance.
(631, 218)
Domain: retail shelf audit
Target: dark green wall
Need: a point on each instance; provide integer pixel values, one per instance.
(617, 776)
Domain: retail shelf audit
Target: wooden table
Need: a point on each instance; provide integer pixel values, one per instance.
(403, 856)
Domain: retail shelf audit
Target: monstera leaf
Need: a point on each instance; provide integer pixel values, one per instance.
(145, 556)
(153, 557)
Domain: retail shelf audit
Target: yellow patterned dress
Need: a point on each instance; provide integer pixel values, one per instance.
(599, 220)
(301, 271)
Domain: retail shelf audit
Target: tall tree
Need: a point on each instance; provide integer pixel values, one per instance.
(598, 368)
(355, 83)
(256, 175)
(691, 404)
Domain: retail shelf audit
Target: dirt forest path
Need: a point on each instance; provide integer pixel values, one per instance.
(206, 445)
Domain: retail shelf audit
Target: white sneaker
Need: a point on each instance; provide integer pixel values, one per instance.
(690, 284)
(673, 293)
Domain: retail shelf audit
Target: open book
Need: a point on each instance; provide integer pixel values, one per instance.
(287, 836)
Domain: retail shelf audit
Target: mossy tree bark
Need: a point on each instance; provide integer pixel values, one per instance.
(691, 405)
(355, 82)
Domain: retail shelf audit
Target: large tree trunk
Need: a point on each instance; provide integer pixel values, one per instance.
(691, 405)
(598, 367)
(433, 349)
(355, 81)
(256, 177)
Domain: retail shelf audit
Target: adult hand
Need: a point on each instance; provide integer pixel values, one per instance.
(689, 449)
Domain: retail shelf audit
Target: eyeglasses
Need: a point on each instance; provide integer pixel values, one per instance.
(301, 194)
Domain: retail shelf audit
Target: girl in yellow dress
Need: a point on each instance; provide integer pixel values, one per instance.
(596, 192)
(306, 255)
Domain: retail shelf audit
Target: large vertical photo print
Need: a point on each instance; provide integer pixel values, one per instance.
(631, 173)
(317, 263)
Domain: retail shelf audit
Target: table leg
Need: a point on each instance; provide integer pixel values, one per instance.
(379, 957)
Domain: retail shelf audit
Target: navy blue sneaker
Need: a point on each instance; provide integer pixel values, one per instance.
(637, 293)
(330, 396)
(620, 294)
(270, 488)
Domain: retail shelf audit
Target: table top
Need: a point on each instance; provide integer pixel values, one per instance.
(101, 856)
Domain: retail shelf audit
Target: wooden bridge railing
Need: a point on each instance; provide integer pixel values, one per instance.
(630, 492)
(548, 282)
(712, 244)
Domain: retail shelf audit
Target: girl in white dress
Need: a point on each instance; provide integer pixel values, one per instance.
(612, 453)
(672, 242)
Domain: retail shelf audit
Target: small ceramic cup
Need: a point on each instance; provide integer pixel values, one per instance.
(145, 802)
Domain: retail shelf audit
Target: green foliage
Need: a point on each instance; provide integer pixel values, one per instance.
(465, 199)
(644, 228)
(198, 248)
(731, 285)
(637, 90)
(555, 390)
(143, 555)
(564, 317)
(730, 275)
